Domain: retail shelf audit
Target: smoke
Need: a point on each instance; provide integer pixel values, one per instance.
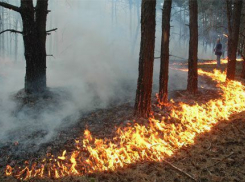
(94, 65)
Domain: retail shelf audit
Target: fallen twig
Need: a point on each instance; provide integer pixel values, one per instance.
(210, 145)
(180, 170)
(221, 160)
(180, 94)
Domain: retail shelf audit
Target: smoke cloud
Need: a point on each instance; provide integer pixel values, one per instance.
(94, 65)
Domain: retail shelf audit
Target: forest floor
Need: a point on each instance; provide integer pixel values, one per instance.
(216, 156)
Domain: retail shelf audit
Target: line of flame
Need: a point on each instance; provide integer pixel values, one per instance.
(153, 141)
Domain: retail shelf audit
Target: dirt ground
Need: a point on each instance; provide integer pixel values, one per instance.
(216, 156)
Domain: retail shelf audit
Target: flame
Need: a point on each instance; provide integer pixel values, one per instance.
(153, 141)
(8, 170)
(63, 156)
(225, 35)
(222, 61)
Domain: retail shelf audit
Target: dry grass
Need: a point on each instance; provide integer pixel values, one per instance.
(217, 156)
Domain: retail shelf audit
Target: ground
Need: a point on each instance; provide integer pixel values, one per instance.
(216, 156)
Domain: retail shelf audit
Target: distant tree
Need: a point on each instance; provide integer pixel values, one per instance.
(164, 68)
(192, 83)
(34, 36)
(146, 59)
(242, 41)
(243, 67)
(234, 9)
(2, 38)
(16, 25)
(212, 18)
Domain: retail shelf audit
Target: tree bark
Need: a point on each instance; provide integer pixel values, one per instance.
(41, 19)
(146, 59)
(192, 83)
(234, 29)
(34, 37)
(243, 68)
(164, 67)
(35, 53)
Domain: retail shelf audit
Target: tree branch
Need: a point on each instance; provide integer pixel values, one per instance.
(50, 55)
(52, 30)
(180, 171)
(12, 31)
(9, 6)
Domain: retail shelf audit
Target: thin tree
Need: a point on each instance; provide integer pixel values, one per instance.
(146, 59)
(34, 36)
(164, 67)
(192, 83)
(234, 18)
(242, 40)
(2, 38)
(16, 39)
(242, 47)
(243, 67)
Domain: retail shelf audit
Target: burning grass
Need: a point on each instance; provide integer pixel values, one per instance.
(214, 62)
(154, 140)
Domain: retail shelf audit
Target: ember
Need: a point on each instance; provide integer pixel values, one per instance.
(154, 141)
(226, 35)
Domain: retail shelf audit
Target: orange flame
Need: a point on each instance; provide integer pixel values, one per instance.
(223, 61)
(153, 141)
(225, 35)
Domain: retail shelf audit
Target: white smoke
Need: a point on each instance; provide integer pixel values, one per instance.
(95, 63)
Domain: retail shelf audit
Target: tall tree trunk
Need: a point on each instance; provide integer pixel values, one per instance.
(180, 27)
(34, 31)
(34, 37)
(41, 20)
(144, 86)
(1, 23)
(243, 68)
(3, 36)
(243, 57)
(7, 42)
(50, 49)
(164, 68)
(192, 85)
(234, 17)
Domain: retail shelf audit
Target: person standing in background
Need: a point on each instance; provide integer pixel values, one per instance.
(218, 52)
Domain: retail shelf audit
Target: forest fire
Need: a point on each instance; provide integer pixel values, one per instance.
(153, 141)
(223, 61)
(83, 78)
